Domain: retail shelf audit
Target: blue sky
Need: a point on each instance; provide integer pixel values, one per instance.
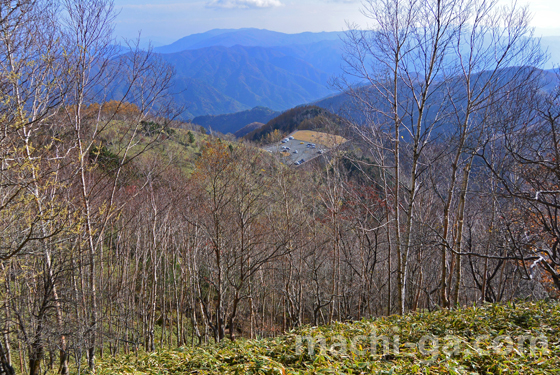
(164, 21)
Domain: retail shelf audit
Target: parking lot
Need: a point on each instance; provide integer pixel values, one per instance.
(296, 151)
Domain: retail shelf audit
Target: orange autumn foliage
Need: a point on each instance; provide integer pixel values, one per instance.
(112, 108)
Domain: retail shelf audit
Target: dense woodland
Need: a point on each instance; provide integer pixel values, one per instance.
(122, 231)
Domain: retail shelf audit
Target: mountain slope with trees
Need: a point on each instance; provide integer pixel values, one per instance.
(251, 76)
(363, 103)
(231, 123)
(248, 129)
(299, 118)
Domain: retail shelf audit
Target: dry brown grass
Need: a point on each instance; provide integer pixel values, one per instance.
(328, 140)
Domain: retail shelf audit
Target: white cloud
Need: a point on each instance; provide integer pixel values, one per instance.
(244, 4)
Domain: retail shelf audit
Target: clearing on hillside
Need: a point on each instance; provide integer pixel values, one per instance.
(328, 140)
(304, 145)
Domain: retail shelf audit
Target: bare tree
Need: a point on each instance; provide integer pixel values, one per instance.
(431, 68)
(528, 176)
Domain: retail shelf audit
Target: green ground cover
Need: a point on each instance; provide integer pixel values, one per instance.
(521, 338)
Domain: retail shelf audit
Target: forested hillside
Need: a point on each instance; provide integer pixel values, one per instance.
(299, 118)
(252, 76)
(226, 71)
(248, 129)
(231, 123)
(366, 103)
(125, 233)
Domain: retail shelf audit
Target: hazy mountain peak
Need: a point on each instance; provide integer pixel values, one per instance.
(248, 37)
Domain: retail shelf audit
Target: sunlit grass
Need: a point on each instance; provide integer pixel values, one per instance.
(328, 140)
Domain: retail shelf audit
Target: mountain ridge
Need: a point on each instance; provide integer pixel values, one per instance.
(233, 70)
(245, 77)
(248, 37)
(233, 122)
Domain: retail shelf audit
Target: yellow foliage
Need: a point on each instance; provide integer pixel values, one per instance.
(111, 108)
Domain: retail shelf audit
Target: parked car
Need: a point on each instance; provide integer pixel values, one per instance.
(295, 152)
(290, 137)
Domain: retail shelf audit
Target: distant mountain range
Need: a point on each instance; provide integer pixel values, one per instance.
(226, 71)
(344, 105)
(246, 37)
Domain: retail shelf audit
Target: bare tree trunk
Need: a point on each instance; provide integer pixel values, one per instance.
(460, 225)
